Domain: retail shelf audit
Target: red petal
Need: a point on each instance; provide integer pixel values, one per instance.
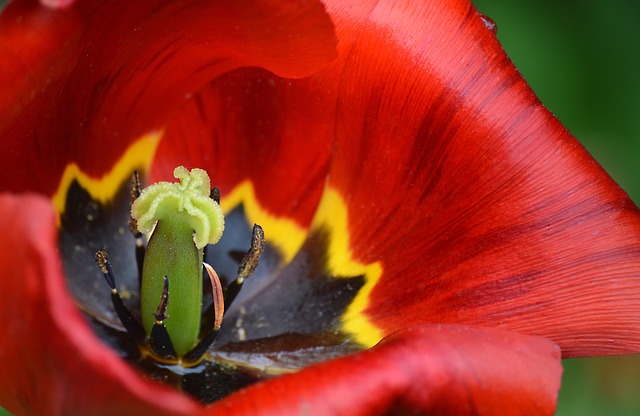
(480, 206)
(251, 125)
(435, 370)
(103, 74)
(50, 361)
(34, 41)
(277, 133)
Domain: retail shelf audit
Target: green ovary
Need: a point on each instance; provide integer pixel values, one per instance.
(172, 253)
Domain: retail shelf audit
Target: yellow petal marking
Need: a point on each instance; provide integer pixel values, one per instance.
(332, 215)
(138, 155)
(288, 237)
(283, 233)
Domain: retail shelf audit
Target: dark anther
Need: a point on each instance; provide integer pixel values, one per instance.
(102, 259)
(159, 340)
(132, 326)
(161, 312)
(134, 192)
(135, 186)
(133, 225)
(140, 249)
(247, 265)
(215, 194)
(251, 260)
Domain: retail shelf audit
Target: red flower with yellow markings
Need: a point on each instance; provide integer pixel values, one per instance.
(434, 240)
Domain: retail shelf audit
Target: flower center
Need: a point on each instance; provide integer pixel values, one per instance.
(287, 316)
(181, 219)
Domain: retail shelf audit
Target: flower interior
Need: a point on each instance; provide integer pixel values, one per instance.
(287, 315)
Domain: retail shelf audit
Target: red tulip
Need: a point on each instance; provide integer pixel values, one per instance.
(437, 241)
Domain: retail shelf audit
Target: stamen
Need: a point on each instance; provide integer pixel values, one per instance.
(160, 343)
(251, 260)
(159, 340)
(218, 299)
(195, 355)
(133, 225)
(102, 259)
(247, 265)
(161, 312)
(199, 350)
(215, 194)
(134, 192)
(131, 325)
(135, 186)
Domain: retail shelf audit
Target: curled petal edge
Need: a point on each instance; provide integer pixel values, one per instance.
(434, 369)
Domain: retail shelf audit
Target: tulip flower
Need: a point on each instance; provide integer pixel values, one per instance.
(436, 241)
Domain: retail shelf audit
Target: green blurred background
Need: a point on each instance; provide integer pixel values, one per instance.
(582, 58)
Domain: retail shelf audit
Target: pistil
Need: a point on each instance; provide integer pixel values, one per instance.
(181, 218)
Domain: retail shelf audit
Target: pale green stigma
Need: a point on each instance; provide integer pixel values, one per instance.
(188, 199)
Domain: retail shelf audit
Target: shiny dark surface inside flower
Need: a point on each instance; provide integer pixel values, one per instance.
(286, 316)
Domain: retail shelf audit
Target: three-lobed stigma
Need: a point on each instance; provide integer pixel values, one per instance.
(189, 200)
